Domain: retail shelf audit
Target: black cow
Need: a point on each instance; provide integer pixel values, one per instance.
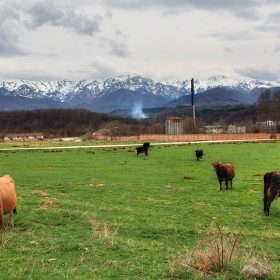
(199, 154)
(146, 144)
(140, 150)
(271, 189)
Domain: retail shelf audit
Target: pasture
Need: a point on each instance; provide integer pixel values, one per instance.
(104, 213)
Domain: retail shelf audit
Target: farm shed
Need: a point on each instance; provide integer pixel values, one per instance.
(174, 125)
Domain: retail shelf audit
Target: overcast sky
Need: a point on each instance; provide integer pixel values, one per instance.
(50, 40)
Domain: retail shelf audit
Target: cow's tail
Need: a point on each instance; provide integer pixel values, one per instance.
(15, 210)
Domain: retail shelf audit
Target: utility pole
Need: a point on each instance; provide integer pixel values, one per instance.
(193, 103)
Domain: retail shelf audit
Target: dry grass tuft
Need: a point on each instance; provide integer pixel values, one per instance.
(62, 192)
(202, 203)
(101, 231)
(215, 251)
(253, 191)
(40, 193)
(187, 176)
(169, 187)
(50, 203)
(100, 185)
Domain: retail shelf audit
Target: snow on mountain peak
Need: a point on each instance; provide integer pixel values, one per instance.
(66, 90)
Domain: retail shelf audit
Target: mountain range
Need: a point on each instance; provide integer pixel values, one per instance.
(127, 91)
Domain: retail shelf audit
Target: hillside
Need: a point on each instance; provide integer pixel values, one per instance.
(61, 122)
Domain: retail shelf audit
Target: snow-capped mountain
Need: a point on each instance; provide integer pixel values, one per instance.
(93, 92)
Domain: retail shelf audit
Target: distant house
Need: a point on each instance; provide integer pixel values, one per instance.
(215, 129)
(24, 136)
(236, 129)
(268, 124)
(102, 132)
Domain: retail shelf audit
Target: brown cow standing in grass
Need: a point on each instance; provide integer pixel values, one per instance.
(225, 172)
(8, 199)
(271, 189)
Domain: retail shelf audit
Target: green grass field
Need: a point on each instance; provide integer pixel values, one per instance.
(93, 213)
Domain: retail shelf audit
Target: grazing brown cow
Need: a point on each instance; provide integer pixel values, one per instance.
(225, 172)
(271, 189)
(8, 199)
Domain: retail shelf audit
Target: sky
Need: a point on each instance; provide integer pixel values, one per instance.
(165, 40)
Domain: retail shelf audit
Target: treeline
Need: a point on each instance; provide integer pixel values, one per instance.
(58, 122)
(78, 122)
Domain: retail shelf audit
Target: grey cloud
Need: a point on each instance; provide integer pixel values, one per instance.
(7, 13)
(234, 36)
(241, 9)
(228, 50)
(43, 12)
(108, 14)
(10, 33)
(99, 68)
(17, 16)
(8, 50)
(48, 12)
(81, 24)
(258, 72)
(119, 50)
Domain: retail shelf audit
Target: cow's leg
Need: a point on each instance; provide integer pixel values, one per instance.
(268, 206)
(11, 224)
(226, 183)
(264, 203)
(2, 220)
(269, 200)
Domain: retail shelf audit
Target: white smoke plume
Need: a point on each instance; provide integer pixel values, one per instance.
(137, 112)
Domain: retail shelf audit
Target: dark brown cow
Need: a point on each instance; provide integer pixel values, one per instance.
(271, 189)
(225, 172)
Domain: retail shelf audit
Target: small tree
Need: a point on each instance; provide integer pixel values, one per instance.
(264, 106)
(275, 108)
(71, 130)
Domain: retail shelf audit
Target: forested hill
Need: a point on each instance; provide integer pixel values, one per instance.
(54, 121)
(77, 122)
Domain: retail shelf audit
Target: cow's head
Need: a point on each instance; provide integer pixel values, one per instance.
(216, 165)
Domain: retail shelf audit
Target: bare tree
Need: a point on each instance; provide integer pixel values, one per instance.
(275, 109)
(264, 106)
(70, 130)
